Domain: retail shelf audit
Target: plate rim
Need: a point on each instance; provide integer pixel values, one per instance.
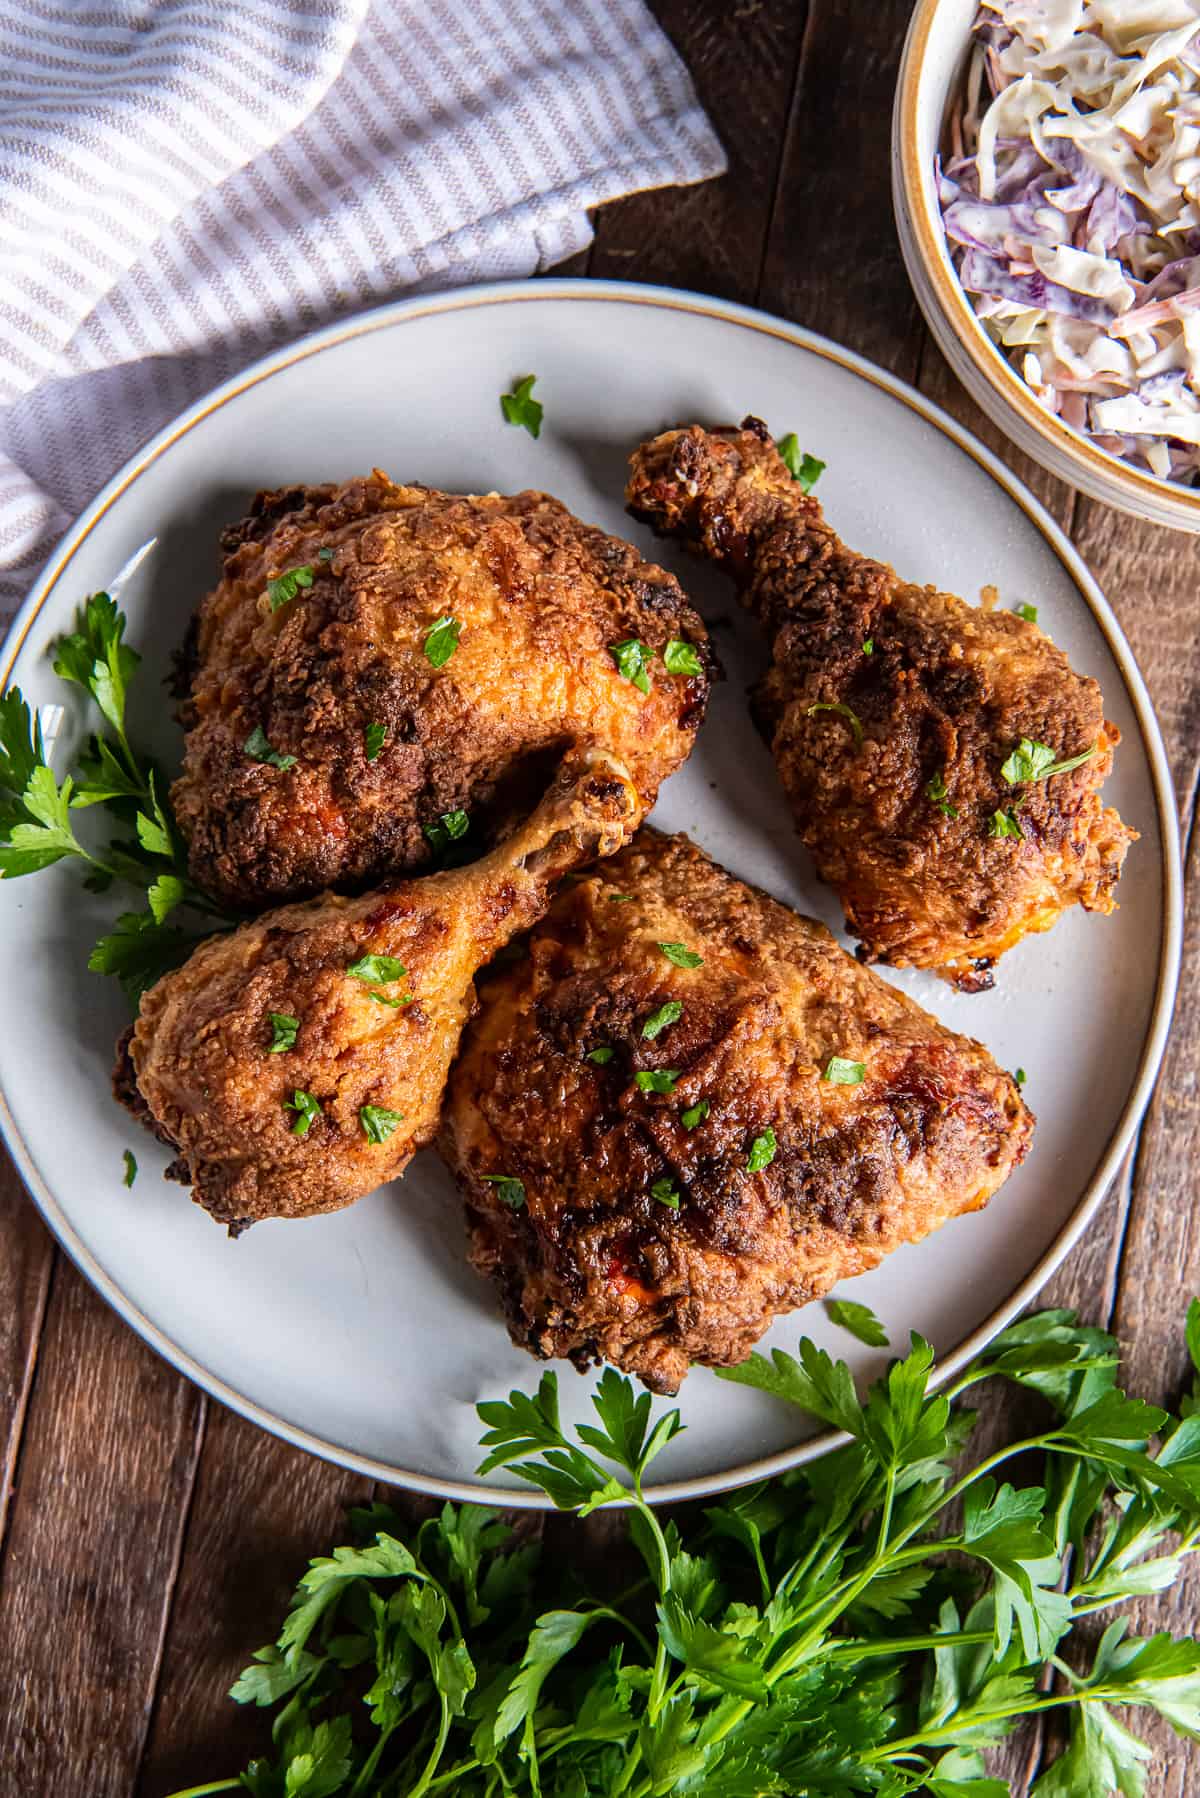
(1107, 1166)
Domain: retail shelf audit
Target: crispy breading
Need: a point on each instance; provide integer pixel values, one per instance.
(539, 597)
(199, 1066)
(594, 1265)
(891, 710)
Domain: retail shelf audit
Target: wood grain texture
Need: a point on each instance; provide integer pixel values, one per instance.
(151, 1539)
(107, 1463)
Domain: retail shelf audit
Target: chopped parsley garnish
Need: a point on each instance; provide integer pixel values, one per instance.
(937, 793)
(377, 969)
(695, 1114)
(374, 738)
(681, 955)
(447, 829)
(1028, 613)
(868, 647)
(286, 586)
(1031, 761)
(843, 711)
(620, 898)
(1005, 824)
(378, 1122)
(657, 1080)
(283, 1032)
(520, 408)
(1020, 1076)
(670, 1013)
(258, 748)
(441, 640)
(680, 658)
(805, 469)
(308, 1110)
(603, 1055)
(633, 662)
(860, 1320)
(130, 1167)
(383, 999)
(665, 1193)
(840, 1072)
(325, 555)
(762, 1152)
(510, 1192)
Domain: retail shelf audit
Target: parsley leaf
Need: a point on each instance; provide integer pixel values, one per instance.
(451, 827)
(680, 657)
(259, 749)
(374, 738)
(840, 1072)
(656, 1080)
(860, 1320)
(633, 662)
(1005, 824)
(284, 1030)
(1027, 612)
(378, 969)
(868, 647)
(131, 1167)
(509, 1191)
(285, 586)
(843, 711)
(666, 1194)
(937, 793)
(601, 1056)
(520, 408)
(441, 640)
(681, 955)
(1020, 1076)
(378, 1122)
(695, 1114)
(669, 1013)
(139, 952)
(762, 1152)
(803, 468)
(307, 1108)
(1032, 761)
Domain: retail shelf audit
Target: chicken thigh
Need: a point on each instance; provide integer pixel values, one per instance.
(299, 1062)
(381, 663)
(687, 1110)
(943, 762)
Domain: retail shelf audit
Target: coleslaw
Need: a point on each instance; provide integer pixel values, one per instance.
(1070, 196)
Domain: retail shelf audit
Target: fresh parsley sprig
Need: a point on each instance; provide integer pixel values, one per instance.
(872, 1622)
(38, 809)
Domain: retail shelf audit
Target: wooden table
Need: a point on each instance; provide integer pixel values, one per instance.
(147, 1536)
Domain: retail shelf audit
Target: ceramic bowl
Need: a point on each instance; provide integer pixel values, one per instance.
(934, 58)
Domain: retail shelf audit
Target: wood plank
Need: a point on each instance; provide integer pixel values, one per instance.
(261, 1510)
(106, 1466)
(26, 1258)
(833, 259)
(742, 59)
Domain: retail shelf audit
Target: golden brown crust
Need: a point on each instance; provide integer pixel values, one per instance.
(199, 1067)
(593, 1266)
(539, 597)
(945, 693)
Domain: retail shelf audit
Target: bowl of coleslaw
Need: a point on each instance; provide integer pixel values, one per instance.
(1046, 179)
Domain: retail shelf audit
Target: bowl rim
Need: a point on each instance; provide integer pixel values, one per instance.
(1145, 489)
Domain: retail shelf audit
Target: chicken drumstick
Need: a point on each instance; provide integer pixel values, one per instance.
(943, 762)
(299, 1062)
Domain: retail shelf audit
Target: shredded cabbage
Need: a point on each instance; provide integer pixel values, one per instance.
(1070, 195)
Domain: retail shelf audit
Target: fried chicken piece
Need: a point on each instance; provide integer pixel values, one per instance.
(686, 1181)
(892, 712)
(375, 992)
(344, 677)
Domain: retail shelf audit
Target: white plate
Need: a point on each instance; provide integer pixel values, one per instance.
(364, 1336)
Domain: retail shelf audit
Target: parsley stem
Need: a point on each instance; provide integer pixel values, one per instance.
(856, 1651)
(443, 1779)
(218, 1785)
(435, 1753)
(950, 1733)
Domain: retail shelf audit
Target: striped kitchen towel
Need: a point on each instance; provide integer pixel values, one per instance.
(186, 183)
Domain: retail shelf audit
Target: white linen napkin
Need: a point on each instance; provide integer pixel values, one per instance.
(186, 183)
